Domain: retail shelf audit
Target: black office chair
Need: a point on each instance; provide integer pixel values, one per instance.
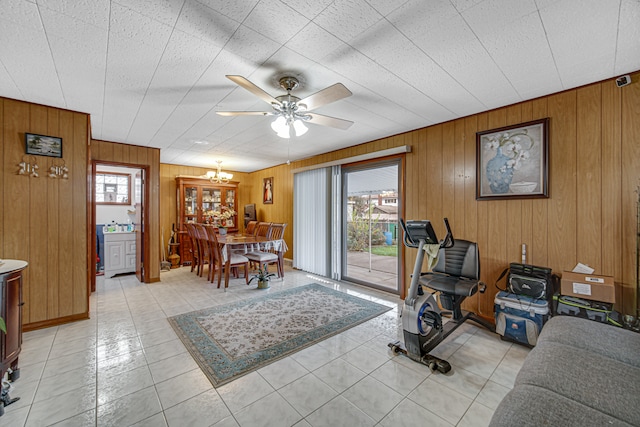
(455, 277)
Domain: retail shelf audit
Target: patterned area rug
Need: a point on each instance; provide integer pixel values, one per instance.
(232, 340)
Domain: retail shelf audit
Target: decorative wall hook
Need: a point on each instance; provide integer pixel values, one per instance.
(28, 166)
(59, 171)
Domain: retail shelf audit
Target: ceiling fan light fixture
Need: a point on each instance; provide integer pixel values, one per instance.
(279, 124)
(299, 127)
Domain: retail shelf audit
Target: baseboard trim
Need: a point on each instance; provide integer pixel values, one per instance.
(54, 322)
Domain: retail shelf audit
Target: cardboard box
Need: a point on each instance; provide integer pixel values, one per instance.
(588, 286)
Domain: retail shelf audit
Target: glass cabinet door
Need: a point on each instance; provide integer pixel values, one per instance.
(208, 203)
(230, 202)
(190, 204)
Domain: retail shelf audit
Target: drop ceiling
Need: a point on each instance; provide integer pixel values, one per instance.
(152, 72)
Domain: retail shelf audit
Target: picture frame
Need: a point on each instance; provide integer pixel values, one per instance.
(267, 191)
(43, 145)
(512, 162)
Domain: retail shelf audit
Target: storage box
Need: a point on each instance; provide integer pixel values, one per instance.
(588, 286)
(520, 318)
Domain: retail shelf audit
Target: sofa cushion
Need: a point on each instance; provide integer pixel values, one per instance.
(606, 340)
(532, 406)
(593, 380)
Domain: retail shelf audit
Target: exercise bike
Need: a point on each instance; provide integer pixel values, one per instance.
(455, 276)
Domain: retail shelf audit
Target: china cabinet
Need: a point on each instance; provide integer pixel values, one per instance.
(11, 311)
(197, 200)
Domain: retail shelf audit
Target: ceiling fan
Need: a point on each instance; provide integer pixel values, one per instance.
(292, 111)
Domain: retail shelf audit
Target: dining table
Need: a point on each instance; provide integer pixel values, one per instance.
(244, 243)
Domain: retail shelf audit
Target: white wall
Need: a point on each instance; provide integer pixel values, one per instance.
(118, 213)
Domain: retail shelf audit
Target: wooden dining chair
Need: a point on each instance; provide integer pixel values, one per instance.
(204, 248)
(195, 254)
(218, 265)
(263, 229)
(272, 256)
(251, 227)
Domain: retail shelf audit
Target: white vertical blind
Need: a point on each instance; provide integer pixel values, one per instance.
(312, 221)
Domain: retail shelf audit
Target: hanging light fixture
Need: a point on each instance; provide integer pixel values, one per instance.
(219, 177)
(289, 113)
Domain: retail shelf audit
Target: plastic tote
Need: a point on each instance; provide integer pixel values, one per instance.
(520, 318)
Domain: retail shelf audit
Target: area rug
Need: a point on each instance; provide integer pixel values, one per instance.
(232, 340)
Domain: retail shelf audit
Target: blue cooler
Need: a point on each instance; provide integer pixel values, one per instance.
(520, 318)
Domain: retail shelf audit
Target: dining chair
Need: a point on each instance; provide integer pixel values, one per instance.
(195, 255)
(203, 248)
(251, 227)
(218, 265)
(264, 258)
(263, 229)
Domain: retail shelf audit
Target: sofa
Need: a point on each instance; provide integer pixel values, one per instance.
(580, 373)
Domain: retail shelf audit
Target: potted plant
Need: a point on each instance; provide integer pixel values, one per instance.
(3, 326)
(263, 276)
(222, 218)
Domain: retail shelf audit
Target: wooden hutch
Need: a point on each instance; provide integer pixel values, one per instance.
(197, 198)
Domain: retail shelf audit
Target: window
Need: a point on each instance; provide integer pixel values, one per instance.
(113, 188)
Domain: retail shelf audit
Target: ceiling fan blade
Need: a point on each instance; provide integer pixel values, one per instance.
(243, 113)
(246, 84)
(325, 96)
(320, 119)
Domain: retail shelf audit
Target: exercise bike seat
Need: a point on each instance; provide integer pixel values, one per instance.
(457, 271)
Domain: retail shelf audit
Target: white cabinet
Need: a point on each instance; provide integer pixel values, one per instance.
(119, 253)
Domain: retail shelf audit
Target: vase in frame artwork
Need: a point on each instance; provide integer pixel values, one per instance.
(512, 161)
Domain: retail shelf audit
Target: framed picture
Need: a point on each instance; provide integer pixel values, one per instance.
(512, 162)
(267, 191)
(41, 145)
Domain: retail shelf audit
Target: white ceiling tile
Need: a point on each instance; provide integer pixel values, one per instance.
(308, 8)
(251, 45)
(462, 5)
(493, 15)
(385, 45)
(347, 19)
(26, 57)
(573, 46)
(315, 43)
(165, 11)
(93, 12)
(628, 37)
(520, 49)
(385, 7)
(8, 87)
(234, 9)
(205, 23)
(275, 20)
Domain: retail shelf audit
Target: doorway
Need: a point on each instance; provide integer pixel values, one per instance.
(371, 204)
(119, 215)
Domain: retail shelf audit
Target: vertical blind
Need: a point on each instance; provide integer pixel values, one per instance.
(312, 221)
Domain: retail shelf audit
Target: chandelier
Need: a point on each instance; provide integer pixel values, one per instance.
(290, 114)
(219, 177)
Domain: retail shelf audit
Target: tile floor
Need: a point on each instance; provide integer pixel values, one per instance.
(125, 366)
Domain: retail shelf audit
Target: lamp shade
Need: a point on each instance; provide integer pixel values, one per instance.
(299, 127)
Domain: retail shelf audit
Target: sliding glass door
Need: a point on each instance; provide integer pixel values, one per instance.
(370, 211)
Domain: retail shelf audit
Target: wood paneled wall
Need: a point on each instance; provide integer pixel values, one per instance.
(44, 220)
(594, 174)
(143, 156)
(168, 193)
